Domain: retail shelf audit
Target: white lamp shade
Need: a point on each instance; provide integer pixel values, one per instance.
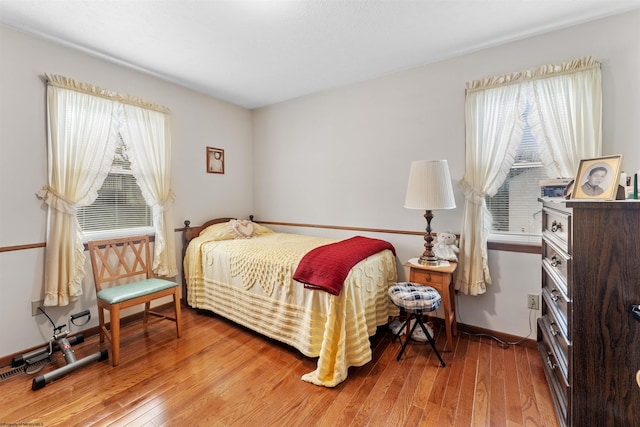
(429, 186)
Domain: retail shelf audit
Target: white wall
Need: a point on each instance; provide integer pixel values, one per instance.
(342, 157)
(197, 121)
(339, 157)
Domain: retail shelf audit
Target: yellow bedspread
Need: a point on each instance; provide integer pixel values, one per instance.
(249, 281)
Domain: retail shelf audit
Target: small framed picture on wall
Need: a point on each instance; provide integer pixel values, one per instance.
(215, 160)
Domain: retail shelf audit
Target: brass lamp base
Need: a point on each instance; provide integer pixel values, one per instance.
(426, 260)
(428, 257)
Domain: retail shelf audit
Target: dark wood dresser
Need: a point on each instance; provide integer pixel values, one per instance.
(587, 337)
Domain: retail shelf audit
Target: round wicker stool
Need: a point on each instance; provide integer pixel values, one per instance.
(415, 299)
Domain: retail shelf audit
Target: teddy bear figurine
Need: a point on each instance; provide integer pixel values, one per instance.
(445, 247)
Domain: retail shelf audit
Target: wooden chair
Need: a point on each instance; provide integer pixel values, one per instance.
(118, 260)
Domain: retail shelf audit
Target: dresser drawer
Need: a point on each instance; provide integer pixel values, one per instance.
(557, 318)
(556, 260)
(556, 300)
(553, 275)
(557, 340)
(558, 384)
(556, 226)
(425, 277)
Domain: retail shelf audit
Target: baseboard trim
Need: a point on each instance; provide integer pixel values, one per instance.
(488, 333)
(463, 328)
(506, 338)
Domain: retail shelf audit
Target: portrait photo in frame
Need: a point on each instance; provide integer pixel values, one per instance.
(597, 178)
(215, 160)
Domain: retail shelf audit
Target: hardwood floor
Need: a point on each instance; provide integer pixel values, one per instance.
(219, 374)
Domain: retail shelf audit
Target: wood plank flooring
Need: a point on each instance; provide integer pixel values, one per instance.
(220, 374)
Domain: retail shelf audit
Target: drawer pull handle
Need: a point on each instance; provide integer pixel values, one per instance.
(554, 297)
(549, 362)
(635, 311)
(556, 226)
(555, 261)
(553, 331)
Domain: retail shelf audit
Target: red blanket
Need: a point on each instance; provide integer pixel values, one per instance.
(327, 267)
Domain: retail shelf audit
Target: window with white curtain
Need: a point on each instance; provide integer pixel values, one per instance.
(554, 111)
(120, 207)
(515, 207)
(86, 125)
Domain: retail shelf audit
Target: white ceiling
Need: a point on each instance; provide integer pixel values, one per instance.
(258, 52)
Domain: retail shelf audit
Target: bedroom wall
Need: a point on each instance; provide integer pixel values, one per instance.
(339, 157)
(197, 121)
(342, 157)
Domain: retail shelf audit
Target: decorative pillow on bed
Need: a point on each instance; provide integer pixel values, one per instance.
(222, 231)
(245, 229)
(241, 229)
(217, 232)
(261, 229)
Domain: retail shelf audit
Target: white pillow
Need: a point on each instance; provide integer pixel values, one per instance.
(218, 231)
(241, 229)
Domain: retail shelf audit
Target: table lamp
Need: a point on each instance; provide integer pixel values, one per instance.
(429, 189)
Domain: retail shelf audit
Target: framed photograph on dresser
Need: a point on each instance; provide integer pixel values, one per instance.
(597, 178)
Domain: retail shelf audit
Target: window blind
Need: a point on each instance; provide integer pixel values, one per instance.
(515, 207)
(120, 204)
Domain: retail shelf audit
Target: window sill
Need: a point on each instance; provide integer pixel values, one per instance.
(114, 234)
(527, 248)
(510, 243)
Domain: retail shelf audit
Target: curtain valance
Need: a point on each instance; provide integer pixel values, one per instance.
(89, 89)
(542, 72)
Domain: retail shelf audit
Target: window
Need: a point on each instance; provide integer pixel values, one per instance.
(120, 204)
(566, 113)
(515, 207)
(81, 118)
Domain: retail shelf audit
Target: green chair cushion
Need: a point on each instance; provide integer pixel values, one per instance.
(132, 290)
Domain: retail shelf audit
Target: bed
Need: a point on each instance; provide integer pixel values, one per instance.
(244, 271)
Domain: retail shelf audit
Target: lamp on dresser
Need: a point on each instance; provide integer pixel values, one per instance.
(429, 189)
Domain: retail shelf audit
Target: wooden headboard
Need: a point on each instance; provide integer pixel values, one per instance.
(189, 233)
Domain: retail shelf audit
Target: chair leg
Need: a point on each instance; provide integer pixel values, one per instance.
(397, 335)
(431, 341)
(115, 335)
(426, 332)
(101, 321)
(176, 304)
(147, 307)
(408, 337)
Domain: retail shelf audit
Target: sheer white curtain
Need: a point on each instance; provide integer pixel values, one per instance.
(80, 155)
(494, 127)
(82, 140)
(147, 136)
(565, 119)
(566, 114)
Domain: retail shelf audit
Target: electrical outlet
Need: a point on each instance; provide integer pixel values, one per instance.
(533, 301)
(34, 307)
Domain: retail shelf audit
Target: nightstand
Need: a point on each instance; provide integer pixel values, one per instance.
(441, 279)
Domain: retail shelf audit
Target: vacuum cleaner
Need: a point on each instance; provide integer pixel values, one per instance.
(59, 341)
